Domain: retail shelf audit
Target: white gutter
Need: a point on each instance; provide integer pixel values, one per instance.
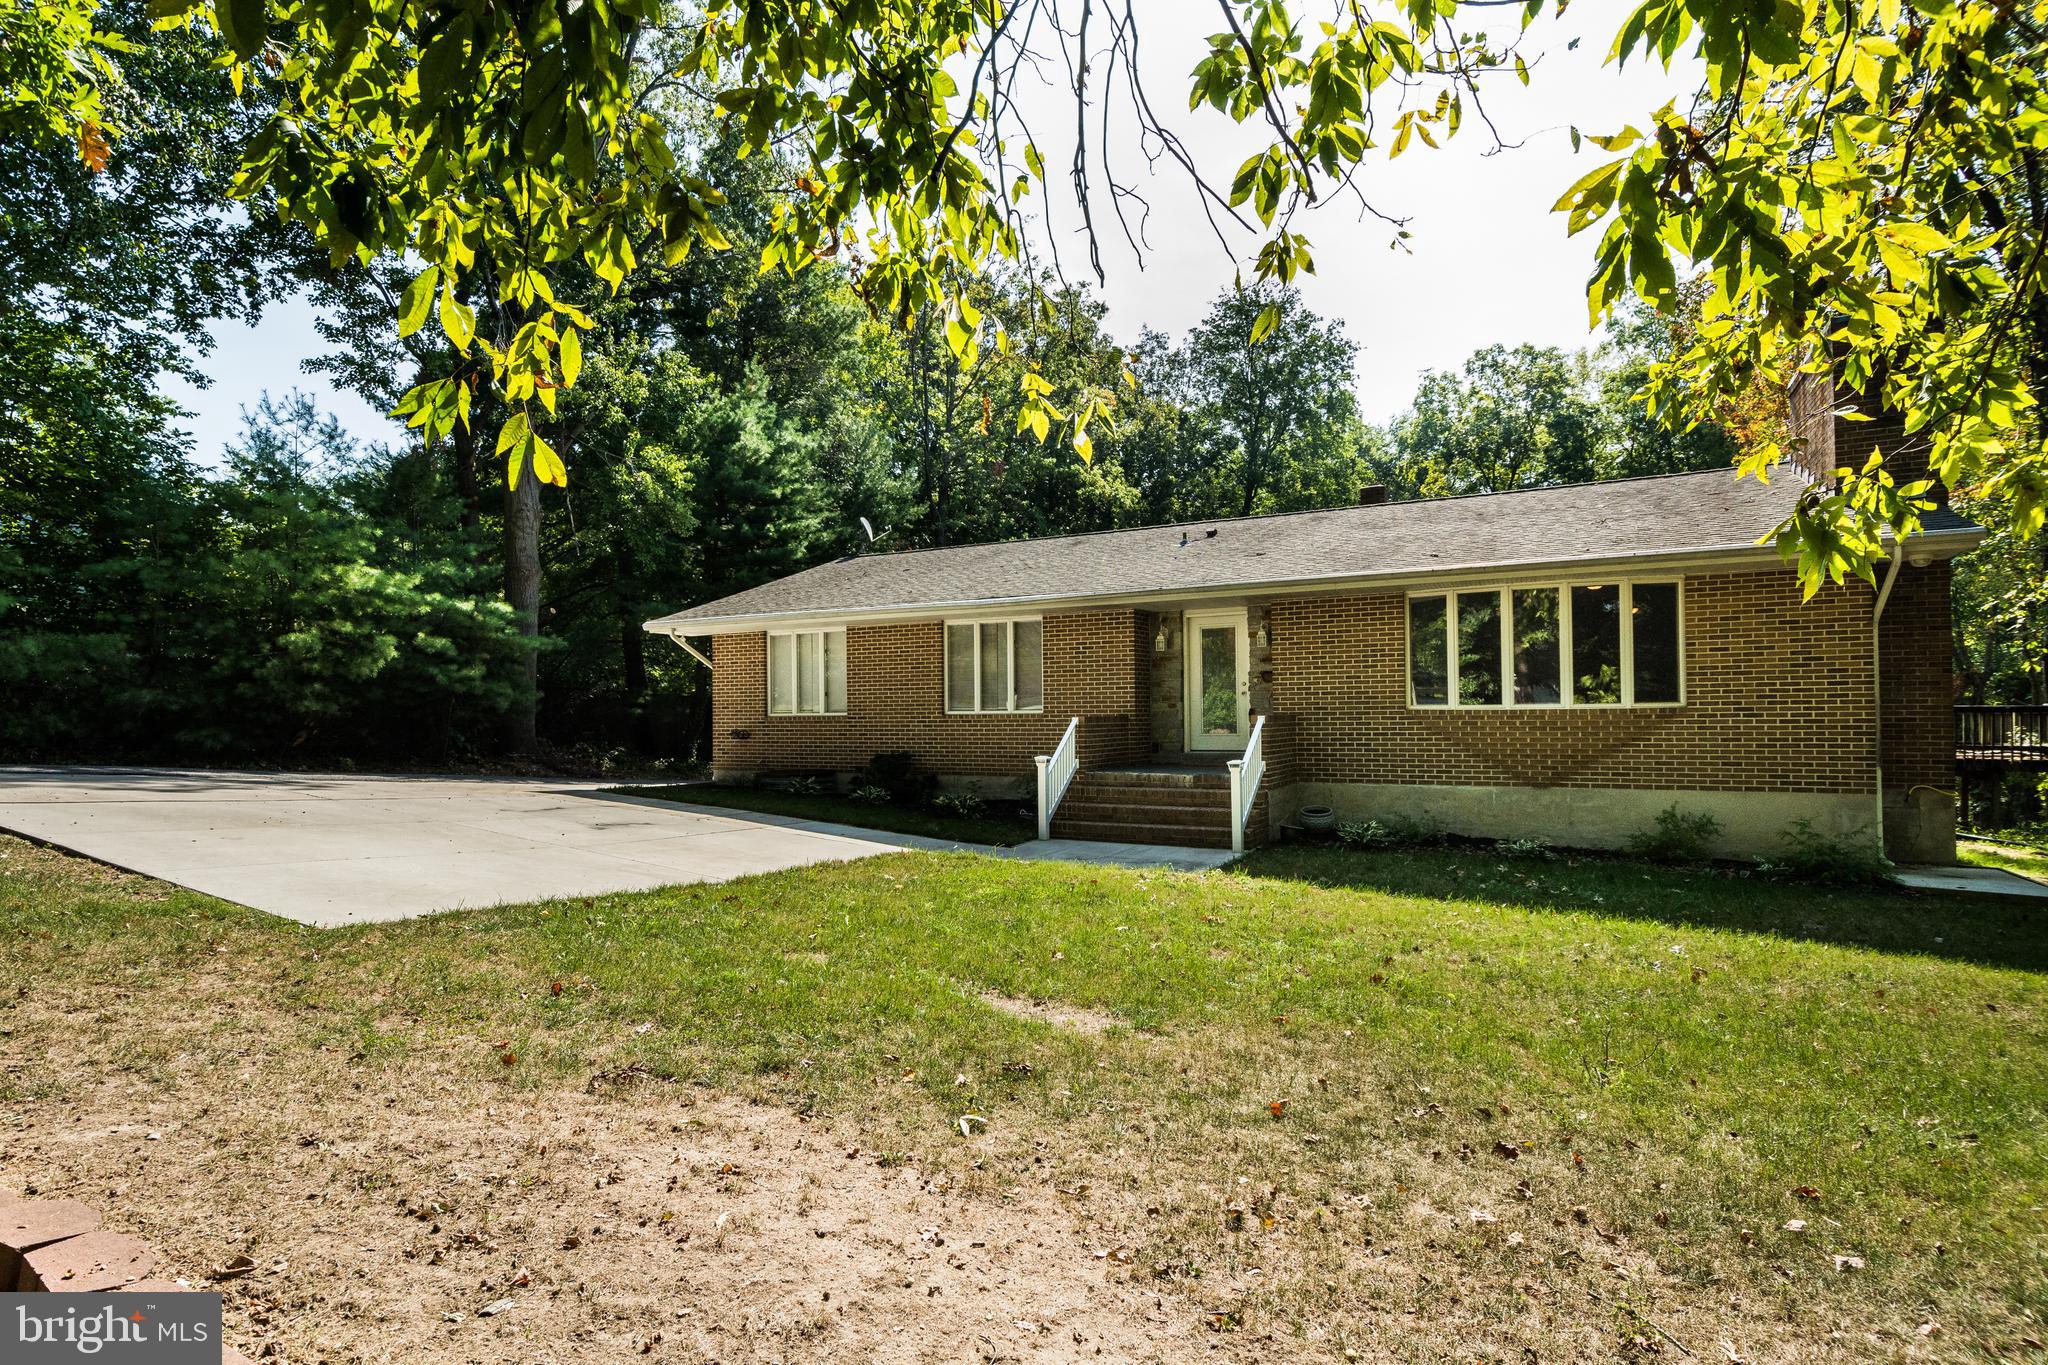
(1884, 595)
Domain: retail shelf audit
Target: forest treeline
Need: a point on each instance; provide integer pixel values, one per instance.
(300, 598)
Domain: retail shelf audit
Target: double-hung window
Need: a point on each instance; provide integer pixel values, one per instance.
(1614, 643)
(995, 665)
(807, 673)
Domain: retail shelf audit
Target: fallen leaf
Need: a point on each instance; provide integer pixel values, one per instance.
(1795, 1225)
(1848, 1263)
(493, 1308)
(1278, 1109)
(1506, 1150)
(235, 1269)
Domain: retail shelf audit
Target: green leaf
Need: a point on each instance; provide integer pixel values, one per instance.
(513, 432)
(1265, 322)
(417, 301)
(244, 23)
(458, 319)
(572, 358)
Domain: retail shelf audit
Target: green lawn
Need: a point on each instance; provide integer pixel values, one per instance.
(1421, 1105)
(2028, 862)
(1000, 824)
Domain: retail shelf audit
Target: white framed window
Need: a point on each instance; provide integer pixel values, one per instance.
(807, 672)
(995, 665)
(1615, 642)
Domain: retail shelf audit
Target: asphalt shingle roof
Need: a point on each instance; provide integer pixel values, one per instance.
(1670, 515)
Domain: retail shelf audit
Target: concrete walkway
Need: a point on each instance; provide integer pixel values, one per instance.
(1975, 881)
(327, 849)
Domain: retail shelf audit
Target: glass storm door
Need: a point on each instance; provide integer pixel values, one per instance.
(1218, 655)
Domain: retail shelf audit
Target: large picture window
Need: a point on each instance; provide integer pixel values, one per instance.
(1615, 643)
(995, 665)
(807, 673)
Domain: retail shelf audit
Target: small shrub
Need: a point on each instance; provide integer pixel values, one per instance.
(871, 794)
(1812, 856)
(804, 786)
(1391, 832)
(1524, 848)
(900, 775)
(965, 805)
(1677, 837)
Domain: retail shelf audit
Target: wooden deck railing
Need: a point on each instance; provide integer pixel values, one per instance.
(2002, 734)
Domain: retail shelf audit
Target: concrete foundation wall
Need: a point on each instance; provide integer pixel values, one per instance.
(1753, 824)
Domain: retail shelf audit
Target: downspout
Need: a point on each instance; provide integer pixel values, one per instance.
(1884, 595)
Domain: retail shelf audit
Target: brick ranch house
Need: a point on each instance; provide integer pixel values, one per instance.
(1557, 663)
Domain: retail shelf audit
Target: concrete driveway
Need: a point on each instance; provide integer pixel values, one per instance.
(331, 850)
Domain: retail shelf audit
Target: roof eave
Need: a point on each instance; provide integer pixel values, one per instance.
(1943, 544)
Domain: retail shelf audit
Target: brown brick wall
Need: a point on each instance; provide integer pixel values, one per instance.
(895, 701)
(1916, 650)
(1826, 441)
(1778, 699)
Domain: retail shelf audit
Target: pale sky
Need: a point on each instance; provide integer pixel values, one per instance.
(1488, 261)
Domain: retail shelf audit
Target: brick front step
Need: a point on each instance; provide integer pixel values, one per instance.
(1132, 832)
(1120, 794)
(1095, 811)
(1202, 778)
(1189, 808)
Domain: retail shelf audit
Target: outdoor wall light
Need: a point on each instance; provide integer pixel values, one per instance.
(1259, 635)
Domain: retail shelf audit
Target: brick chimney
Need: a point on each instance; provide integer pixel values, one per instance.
(1824, 440)
(1372, 495)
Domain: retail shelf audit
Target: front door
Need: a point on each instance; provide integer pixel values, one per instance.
(1218, 684)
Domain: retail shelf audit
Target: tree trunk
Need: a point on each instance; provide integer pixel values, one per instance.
(465, 476)
(522, 594)
(632, 652)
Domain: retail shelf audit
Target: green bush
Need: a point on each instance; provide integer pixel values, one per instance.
(966, 805)
(1812, 856)
(900, 775)
(1677, 837)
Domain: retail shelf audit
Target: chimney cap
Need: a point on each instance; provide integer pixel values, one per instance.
(1372, 494)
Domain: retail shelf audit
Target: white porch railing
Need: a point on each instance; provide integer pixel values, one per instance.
(1245, 775)
(1055, 771)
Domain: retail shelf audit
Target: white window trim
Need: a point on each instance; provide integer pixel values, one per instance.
(1566, 675)
(796, 652)
(1010, 624)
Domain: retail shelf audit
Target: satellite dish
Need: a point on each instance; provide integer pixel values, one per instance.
(865, 525)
